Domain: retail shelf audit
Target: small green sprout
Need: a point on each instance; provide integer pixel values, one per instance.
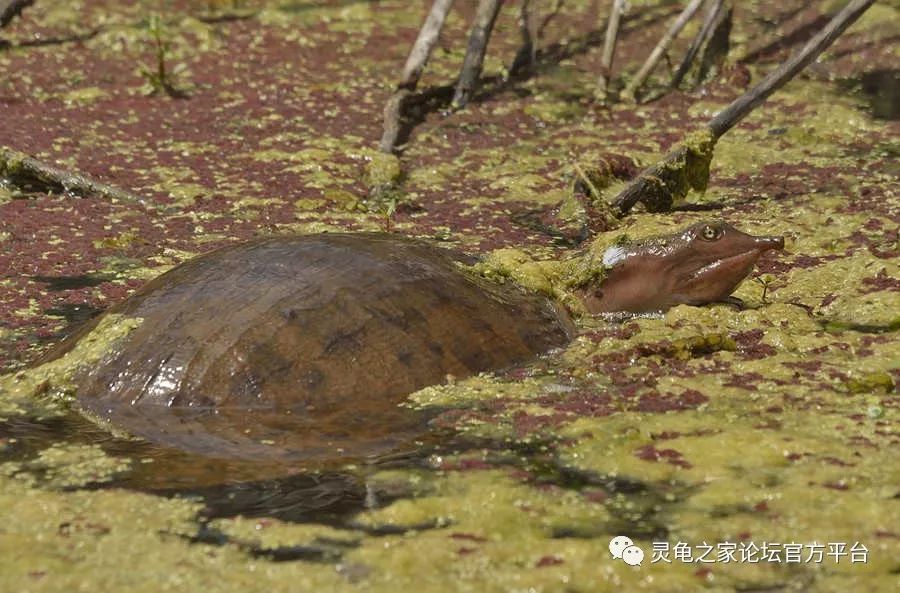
(161, 79)
(764, 280)
(390, 208)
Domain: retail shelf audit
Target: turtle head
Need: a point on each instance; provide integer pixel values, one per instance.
(701, 264)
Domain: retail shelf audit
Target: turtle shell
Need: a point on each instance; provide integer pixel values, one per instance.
(302, 347)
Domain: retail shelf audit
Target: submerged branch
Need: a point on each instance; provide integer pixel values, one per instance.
(687, 165)
(22, 168)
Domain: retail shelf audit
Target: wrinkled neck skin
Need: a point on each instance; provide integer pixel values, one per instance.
(702, 264)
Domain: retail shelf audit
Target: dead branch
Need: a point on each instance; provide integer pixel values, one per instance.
(609, 47)
(9, 9)
(527, 51)
(705, 32)
(557, 8)
(687, 165)
(22, 168)
(478, 40)
(425, 42)
(715, 50)
(738, 109)
(661, 48)
(412, 71)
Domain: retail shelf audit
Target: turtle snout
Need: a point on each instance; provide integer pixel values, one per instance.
(766, 243)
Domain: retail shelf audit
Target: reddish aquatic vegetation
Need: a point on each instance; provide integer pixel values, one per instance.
(881, 281)
(769, 424)
(750, 345)
(595, 495)
(666, 434)
(525, 424)
(835, 461)
(704, 573)
(623, 331)
(548, 561)
(665, 402)
(810, 366)
(670, 456)
(674, 434)
(579, 404)
(747, 381)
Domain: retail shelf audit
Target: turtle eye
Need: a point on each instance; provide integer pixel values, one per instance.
(710, 233)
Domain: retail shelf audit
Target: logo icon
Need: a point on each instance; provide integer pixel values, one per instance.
(622, 548)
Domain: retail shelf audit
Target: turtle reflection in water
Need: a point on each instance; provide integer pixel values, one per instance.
(301, 348)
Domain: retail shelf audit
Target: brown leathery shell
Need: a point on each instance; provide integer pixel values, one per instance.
(302, 347)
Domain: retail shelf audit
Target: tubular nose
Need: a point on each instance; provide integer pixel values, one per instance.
(770, 242)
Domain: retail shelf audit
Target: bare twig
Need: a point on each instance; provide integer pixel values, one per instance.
(661, 48)
(412, 71)
(478, 40)
(393, 111)
(20, 167)
(425, 42)
(609, 47)
(687, 165)
(715, 49)
(557, 8)
(527, 51)
(740, 107)
(532, 33)
(9, 9)
(712, 15)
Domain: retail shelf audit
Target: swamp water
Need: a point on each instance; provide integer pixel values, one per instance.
(775, 423)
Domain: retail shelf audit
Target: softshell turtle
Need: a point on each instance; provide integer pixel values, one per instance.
(302, 347)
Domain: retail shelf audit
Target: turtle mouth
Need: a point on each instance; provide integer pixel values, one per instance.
(728, 271)
(724, 266)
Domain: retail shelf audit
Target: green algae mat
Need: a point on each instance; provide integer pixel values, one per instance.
(739, 449)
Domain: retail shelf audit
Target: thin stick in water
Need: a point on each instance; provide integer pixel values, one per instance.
(525, 57)
(740, 107)
(412, 71)
(425, 42)
(660, 49)
(478, 40)
(9, 9)
(609, 47)
(706, 30)
(687, 165)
